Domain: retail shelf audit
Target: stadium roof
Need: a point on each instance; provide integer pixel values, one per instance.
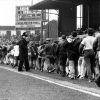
(56, 4)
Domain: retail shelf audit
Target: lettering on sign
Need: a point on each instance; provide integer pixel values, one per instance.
(27, 18)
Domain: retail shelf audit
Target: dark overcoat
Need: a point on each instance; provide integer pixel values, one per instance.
(23, 49)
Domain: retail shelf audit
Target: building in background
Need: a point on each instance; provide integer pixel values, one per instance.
(73, 14)
(7, 31)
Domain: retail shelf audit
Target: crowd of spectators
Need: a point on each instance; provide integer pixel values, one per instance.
(70, 56)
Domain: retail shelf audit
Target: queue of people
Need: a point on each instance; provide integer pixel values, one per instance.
(71, 56)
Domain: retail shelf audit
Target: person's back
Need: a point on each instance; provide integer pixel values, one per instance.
(76, 44)
(89, 56)
(40, 50)
(54, 49)
(96, 45)
(96, 48)
(4, 52)
(16, 50)
(9, 48)
(23, 48)
(62, 55)
(88, 42)
(33, 50)
(73, 46)
(73, 53)
(48, 49)
(4, 49)
(62, 47)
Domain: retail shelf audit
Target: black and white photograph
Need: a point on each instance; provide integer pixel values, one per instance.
(50, 50)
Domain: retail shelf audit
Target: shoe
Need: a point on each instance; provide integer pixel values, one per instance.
(82, 78)
(27, 70)
(20, 70)
(41, 70)
(2, 62)
(62, 75)
(52, 70)
(72, 78)
(14, 66)
(7, 63)
(67, 74)
(33, 68)
(78, 76)
(90, 80)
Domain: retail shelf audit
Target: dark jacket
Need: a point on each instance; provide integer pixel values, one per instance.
(23, 49)
(73, 48)
(96, 44)
(62, 48)
(33, 50)
(48, 49)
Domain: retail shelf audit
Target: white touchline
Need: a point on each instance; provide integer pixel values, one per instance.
(52, 81)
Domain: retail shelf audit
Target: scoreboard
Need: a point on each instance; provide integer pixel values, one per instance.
(29, 19)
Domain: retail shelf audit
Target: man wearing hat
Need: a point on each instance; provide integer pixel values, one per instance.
(23, 53)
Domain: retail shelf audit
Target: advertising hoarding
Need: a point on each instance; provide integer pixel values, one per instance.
(28, 24)
(26, 18)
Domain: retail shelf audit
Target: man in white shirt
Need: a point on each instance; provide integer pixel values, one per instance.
(89, 56)
(16, 54)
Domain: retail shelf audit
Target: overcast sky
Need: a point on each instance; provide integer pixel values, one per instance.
(7, 10)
